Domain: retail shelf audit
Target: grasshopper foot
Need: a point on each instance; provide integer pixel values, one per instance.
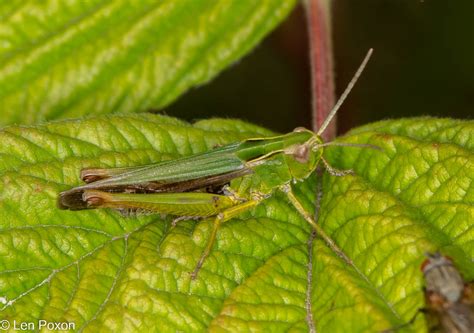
(194, 274)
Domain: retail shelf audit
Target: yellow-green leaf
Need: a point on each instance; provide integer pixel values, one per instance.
(105, 272)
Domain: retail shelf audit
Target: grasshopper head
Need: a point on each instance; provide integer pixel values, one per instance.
(302, 159)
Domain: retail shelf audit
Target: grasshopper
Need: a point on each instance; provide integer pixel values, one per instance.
(221, 183)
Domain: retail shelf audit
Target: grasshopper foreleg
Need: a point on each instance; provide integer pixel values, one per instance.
(334, 171)
(319, 230)
(221, 218)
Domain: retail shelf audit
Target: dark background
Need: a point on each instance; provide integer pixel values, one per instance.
(423, 64)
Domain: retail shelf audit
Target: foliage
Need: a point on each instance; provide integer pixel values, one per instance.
(73, 58)
(104, 271)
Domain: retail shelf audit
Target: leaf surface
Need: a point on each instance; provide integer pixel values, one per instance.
(103, 271)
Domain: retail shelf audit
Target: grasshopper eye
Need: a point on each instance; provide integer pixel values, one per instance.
(301, 154)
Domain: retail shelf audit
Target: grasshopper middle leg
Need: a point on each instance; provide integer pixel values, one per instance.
(223, 216)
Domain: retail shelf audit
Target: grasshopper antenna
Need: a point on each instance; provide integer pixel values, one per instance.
(347, 144)
(346, 92)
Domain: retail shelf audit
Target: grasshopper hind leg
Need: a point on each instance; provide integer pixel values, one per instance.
(136, 212)
(220, 218)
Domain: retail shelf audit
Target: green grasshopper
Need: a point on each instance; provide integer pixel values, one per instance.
(221, 183)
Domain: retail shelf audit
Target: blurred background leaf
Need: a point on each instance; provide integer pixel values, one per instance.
(422, 62)
(73, 58)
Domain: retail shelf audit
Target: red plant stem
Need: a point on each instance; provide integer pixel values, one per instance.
(318, 14)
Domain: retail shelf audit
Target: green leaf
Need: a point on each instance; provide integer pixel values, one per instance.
(104, 272)
(71, 58)
(416, 196)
